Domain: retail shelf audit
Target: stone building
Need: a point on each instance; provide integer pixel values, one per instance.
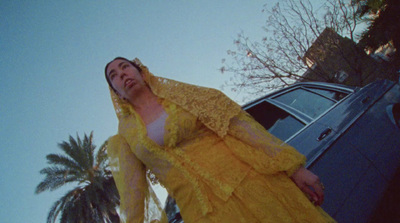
(337, 59)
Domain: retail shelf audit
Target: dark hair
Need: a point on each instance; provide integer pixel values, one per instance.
(119, 58)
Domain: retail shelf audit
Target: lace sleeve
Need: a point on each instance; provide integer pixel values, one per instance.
(268, 154)
(138, 201)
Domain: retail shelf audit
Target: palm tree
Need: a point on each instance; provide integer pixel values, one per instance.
(383, 25)
(95, 198)
(372, 7)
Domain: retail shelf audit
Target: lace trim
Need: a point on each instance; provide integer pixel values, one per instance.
(138, 201)
(269, 154)
(165, 153)
(171, 124)
(211, 106)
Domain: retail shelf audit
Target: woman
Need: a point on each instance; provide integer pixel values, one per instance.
(216, 161)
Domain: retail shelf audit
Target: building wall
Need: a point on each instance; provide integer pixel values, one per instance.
(339, 60)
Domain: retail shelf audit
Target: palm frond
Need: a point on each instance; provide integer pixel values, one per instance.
(61, 160)
(55, 177)
(89, 148)
(101, 157)
(85, 152)
(61, 204)
(54, 212)
(96, 198)
(74, 151)
(52, 183)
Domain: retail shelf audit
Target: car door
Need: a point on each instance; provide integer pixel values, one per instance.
(309, 103)
(300, 112)
(365, 155)
(351, 109)
(347, 137)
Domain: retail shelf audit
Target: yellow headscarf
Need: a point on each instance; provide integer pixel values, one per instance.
(212, 107)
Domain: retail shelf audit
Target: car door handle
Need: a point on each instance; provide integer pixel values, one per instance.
(365, 100)
(324, 134)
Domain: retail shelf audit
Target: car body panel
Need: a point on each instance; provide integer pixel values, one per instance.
(358, 150)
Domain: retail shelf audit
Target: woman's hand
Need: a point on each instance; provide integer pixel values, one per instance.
(309, 183)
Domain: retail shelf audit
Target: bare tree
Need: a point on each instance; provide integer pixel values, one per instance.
(284, 54)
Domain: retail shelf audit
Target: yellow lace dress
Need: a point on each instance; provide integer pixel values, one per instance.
(213, 179)
(216, 161)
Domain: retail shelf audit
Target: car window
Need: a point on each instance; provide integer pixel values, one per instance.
(335, 95)
(277, 121)
(311, 103)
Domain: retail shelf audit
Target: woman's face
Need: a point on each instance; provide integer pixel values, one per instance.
(125, 78)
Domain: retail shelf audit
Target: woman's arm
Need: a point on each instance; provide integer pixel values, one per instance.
(129, 176)
(136, 195)
(269, 154)
(272, 155)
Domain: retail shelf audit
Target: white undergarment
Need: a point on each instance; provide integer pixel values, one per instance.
(155, 129)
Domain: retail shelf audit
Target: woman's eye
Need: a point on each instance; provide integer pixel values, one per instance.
(112, 76)
(124, 66)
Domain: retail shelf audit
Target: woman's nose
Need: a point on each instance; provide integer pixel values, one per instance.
(122, 75)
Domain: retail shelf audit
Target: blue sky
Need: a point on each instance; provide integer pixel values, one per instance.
(52, 57)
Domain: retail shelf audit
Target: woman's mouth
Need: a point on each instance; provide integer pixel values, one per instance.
(129, 83)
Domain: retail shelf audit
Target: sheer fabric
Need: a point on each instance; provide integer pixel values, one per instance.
(155, 130)
(218, 167)
(211, 106)
(139, 203)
